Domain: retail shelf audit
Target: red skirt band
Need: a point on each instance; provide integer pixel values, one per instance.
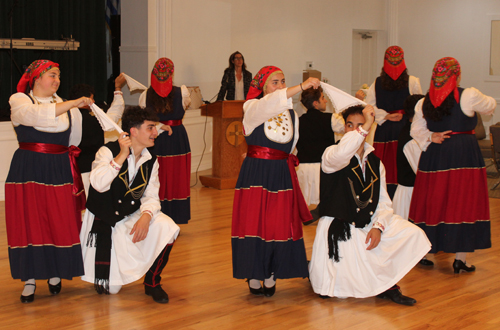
(172, 122)
(466, 132)
(300, 210)
(73, 152)
(397, 111)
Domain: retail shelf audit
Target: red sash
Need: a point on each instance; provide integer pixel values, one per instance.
(466, 132)
(172, 122)
(72, 151)
(397, 111)
(300, 210)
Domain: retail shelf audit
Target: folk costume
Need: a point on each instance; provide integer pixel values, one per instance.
(93, 136)
(450, 199)
(316, 135)
(388, 102)
(408, 155)
(43, 191)
(117, 199)
(173, 151)
(355, 189)
(269, 208)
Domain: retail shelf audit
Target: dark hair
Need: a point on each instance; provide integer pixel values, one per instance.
(436, 114)
(354, 110)
(158, 103)
(135, 116)
(309, 96)
(231, 59)
(81, 90)
(409, 104)
(391, 85)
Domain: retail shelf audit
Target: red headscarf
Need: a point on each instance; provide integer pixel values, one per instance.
(394, 62)
(33, 72)
(444, 80)
(161, 76)
(259, 82)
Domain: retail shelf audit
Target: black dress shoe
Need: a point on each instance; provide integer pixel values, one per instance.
(269, 292)
(426, 262)
(55, 289)
(460, 265)
(396, 296)
(158, 294)
(257, 292)
(30, 298)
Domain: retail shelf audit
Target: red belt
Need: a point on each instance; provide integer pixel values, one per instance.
(397, 111)
(465, 132)
(300, 211)
(172, 122)
(72, 151)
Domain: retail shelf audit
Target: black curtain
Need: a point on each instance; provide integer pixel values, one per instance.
(83, 20)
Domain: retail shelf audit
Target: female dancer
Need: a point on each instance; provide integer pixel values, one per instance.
(44, 192)
(172, 148)
(450, 197)
(269, 208)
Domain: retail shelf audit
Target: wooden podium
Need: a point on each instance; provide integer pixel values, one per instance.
(228, 143)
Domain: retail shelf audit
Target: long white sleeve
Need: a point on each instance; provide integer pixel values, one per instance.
(412, 153)
(384, 212)
(116, 108)
(473, 100)
(419, 131)
(24, 112)
(257, 112)
(338, 156)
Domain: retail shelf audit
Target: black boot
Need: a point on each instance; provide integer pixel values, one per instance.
(395, 295)
(153, 276)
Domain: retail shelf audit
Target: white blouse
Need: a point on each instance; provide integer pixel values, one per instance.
(239, 93)
(471, 101)
(266, 110)
(42, 115)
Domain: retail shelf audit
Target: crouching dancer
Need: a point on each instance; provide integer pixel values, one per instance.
(362, 248)
(124, 234)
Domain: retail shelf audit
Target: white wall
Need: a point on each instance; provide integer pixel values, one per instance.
(430, 30)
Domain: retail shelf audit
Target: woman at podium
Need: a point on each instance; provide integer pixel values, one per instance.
(269, 208)
(236, 80)
(172, 145)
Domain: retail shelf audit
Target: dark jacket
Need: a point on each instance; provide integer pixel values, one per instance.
(228, 82)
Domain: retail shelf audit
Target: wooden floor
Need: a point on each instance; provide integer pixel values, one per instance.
(203, 294)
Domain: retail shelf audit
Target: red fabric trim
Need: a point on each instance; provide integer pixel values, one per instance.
(300, 210)
(466, 132)
(453, 197)
(73, 153)
(172, 122)
(387, 152)
(38, 214)
(258, 212)
(174, 174)
(397, 111)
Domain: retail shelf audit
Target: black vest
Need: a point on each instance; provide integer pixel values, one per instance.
(121, 199)
(406, 176)
(346, 195)
(390, 100)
